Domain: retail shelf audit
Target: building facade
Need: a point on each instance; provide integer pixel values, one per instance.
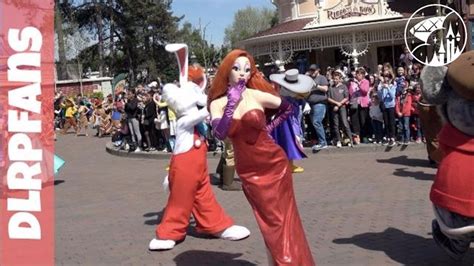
(363, 32)
(469, 7)
(71, 88)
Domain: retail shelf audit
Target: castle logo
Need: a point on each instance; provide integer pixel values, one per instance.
(437, 40)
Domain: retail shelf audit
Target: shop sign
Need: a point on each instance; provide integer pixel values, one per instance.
(347, 12)
(335, 12)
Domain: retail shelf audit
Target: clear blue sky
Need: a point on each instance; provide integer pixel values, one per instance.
(218, 13)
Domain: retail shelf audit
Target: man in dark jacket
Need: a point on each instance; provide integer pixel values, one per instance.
(131, 110)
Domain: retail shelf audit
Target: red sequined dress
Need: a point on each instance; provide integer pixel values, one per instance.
(268, 185)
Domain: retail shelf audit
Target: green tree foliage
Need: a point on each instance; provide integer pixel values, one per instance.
(133, 36)
(62, 9)
(99, 95)
(140, 30)
(248, 22)
(204, 53)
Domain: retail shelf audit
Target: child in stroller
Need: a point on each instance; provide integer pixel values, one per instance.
(122, 139)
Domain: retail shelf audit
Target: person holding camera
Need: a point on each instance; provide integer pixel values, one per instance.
(131, 110)
(359, 105)
(386, 92)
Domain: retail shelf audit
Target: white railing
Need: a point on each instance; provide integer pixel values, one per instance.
(326, 41)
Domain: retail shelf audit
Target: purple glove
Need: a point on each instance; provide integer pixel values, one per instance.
(284, 111)
(220, 126)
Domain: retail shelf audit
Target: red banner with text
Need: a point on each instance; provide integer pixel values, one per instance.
(26, 132)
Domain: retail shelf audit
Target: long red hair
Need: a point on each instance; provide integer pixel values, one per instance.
(221, 80)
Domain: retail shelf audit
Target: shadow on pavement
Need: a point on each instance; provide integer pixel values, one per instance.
(419, 175)
(389, 149)
(154, 218)
(58, 182)
(55, 183)
(405, 248)
(202, 257)
(404, 160)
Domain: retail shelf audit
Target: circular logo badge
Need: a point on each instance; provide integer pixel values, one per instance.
(438, 39)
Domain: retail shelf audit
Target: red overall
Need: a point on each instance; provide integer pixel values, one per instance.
(453, 186)
(191, 192)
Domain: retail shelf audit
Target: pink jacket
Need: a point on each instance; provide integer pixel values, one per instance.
(361, 92)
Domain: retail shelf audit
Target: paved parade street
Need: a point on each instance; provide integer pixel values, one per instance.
(373, 211)
(351, 123)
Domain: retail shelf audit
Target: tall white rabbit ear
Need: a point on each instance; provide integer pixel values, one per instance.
(181, 52)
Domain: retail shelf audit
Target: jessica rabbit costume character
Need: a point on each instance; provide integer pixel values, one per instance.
(190, 190)
(452, 192)
(238, 98)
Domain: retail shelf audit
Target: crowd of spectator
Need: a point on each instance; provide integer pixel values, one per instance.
(360, 106)
(137, 119)
(346, 107)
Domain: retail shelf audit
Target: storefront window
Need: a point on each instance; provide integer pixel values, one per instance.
(389, 54)
(472, 34)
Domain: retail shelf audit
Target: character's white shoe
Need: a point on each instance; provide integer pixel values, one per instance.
(157, 244)
(234, 233)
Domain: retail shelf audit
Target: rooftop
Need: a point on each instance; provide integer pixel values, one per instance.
(299, 24)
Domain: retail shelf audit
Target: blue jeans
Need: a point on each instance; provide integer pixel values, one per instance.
(406, 128)
(318, 111)
(419, 132)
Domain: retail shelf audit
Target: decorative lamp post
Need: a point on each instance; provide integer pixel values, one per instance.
(355, 49)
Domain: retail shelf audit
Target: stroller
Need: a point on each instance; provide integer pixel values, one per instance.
(122, 138)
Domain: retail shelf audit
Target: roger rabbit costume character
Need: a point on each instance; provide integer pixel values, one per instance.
(225, 167)
(190, 190)
(452, 192)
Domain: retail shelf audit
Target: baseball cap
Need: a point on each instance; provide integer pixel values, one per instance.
(314, 67)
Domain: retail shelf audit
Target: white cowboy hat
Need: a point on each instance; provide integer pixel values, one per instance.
(153, 84)
(293, 81)
(340, 72)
